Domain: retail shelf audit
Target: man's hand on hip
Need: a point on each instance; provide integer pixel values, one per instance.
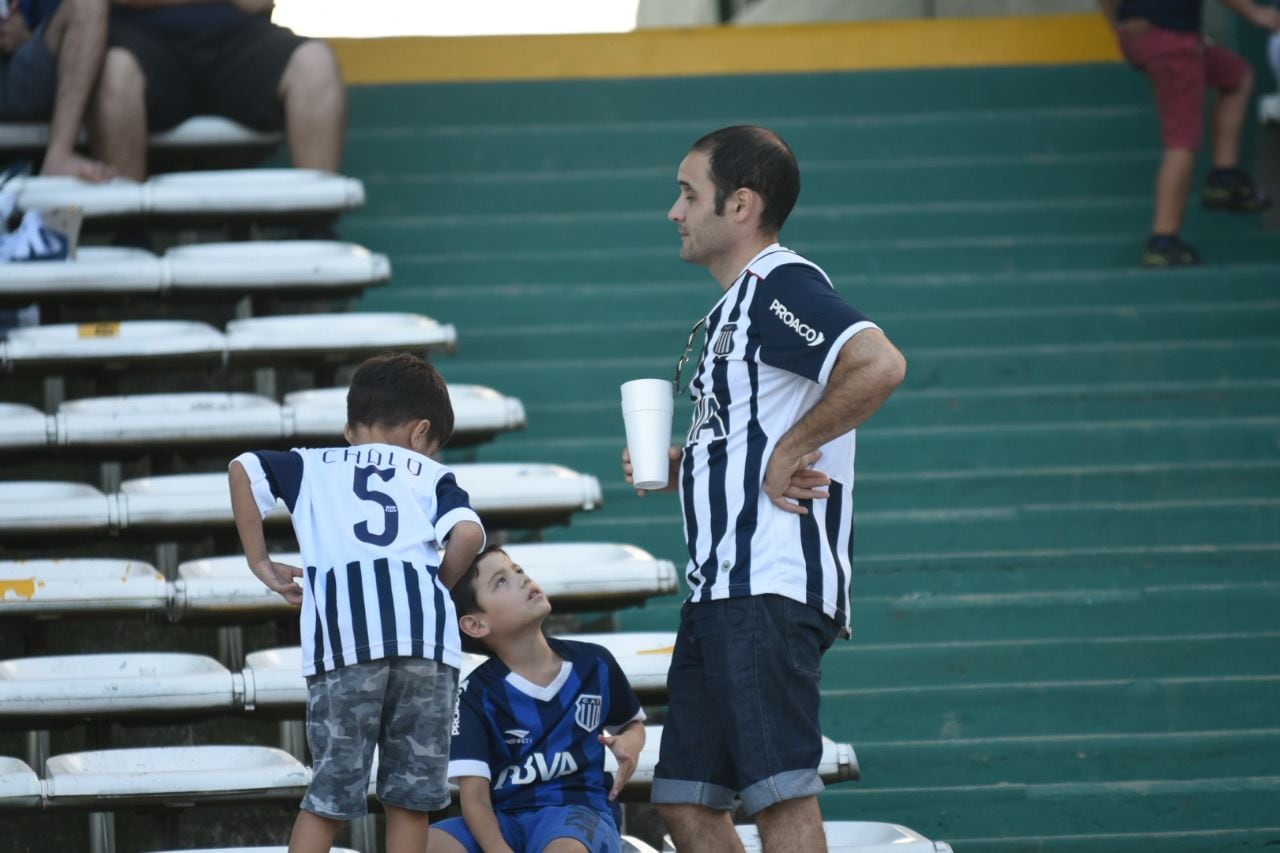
(790, 477)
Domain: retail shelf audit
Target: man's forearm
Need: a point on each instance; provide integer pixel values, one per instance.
(866, 372)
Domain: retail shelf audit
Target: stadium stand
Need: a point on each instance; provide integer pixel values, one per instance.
(198, 132)
(852, 837)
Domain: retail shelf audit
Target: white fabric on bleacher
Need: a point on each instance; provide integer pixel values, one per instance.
(72, 343)
(28, 506)
(275, 264)
(348, 333)
(839, 763)
(110, 778)
(209, 193)
(58, 587)
(23, 426)
(20, 788)
(322, 412)
(141, 685)
(148, 418)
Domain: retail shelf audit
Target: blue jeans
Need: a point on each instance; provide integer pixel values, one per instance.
(743, 708)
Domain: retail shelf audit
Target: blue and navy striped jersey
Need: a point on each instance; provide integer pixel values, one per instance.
(771, 343)
(370, 520)
(538, 746)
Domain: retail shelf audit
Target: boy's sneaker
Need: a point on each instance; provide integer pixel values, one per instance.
(1233, 190)
(34, 241)
(1166, 251)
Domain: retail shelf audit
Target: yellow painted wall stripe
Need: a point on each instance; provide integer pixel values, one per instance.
(834, 46)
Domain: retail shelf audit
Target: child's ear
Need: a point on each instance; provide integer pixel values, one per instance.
(347, 433)
(473, 626)
(419, 439)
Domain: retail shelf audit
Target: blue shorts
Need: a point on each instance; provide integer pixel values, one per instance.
(532, 831)
(742, 719)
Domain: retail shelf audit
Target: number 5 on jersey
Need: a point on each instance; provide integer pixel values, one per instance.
(390, 512)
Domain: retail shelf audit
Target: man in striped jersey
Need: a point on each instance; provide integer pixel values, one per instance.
(788, 370)
(380, 643)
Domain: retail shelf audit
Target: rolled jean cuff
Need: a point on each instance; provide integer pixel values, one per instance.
(790, 785)
(685, 793)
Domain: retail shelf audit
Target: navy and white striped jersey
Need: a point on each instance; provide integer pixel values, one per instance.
(536, 745)
(771, 342)
(370, 520)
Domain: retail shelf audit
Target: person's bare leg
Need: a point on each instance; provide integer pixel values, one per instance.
(563, 845)
(1228, 119)
(118, 120)
(440, 841)
(315, 107)
(407, 830)
(1173, 184)
(700, 829)
(77, 36)
(792, 826)
(314, 834)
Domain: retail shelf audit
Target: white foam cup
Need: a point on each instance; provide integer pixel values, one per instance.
(646, 412)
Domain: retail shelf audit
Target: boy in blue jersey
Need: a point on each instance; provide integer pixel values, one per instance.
(380, 643)
(532, 725)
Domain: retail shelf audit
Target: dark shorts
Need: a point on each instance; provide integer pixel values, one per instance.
(1182, 66)
(404, 706)
(743, 691)
(29, 81)
(236, 75)
(534, 830)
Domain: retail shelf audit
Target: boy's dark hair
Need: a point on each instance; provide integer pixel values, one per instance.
(394, 388)
(754, 158)
(464, 597)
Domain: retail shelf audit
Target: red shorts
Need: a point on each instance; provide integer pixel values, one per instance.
(1181, 67)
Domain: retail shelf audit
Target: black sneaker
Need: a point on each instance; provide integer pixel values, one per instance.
(1233, 190)
(1165, 251)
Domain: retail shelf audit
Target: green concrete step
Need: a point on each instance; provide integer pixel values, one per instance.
(1181, 755)
(1192, 841)
(957, 813)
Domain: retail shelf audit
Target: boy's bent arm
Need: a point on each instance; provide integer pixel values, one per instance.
(477, 811)
(465, 541)
(625, 746)
(277, 576)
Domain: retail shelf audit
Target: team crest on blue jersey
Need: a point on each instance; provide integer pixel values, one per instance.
(586, 711)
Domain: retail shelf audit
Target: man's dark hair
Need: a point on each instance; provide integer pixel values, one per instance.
(754, 158)
(394, 388)
(464, 597)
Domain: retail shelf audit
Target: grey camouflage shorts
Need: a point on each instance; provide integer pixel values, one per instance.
(402, 705)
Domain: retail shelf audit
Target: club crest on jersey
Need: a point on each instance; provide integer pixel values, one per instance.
(724, 341)
(586, 711)
(812, 337)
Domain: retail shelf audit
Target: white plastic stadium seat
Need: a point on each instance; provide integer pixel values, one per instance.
(645, 656)
(96, 344)
(224, 585)
(251, 191)
(97, 270)
(168, 418)
(590, 575)
(22, 426)
(477, 411)
(112, 778)
(631, 844)
(180, 500)
(116, 197)
(347, 335)
(838, 763)
(20, 788)
(508, 494)
(41, 506)
(195, 132)
(58, 587)
(309, 264)
(140, 686)
(860, 837)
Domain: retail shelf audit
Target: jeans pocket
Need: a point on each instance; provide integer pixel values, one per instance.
(806, 641)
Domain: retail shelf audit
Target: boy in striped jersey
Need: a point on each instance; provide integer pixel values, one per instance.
(788, 370)
(380, 643)
(532, 726)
